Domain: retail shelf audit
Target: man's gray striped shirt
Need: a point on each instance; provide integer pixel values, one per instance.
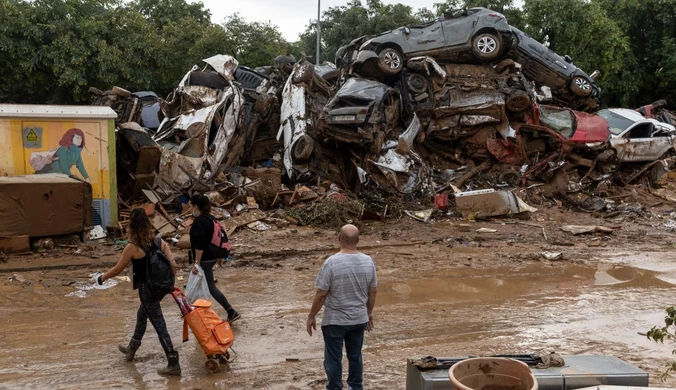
(347, 278)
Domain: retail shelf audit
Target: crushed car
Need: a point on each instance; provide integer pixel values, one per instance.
(636, 138)
(362, 112)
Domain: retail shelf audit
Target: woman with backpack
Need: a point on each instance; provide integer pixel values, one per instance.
(201, 235)
(142, 246)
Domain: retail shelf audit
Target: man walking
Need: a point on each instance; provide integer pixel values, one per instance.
(346, 287)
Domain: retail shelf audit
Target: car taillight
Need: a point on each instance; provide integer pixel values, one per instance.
(364, 111)
(497, 15)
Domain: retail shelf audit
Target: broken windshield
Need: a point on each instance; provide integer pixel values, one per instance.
(558, 119)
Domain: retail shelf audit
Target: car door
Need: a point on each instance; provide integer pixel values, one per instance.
(637, 144)
(423, 38)
(459, 30)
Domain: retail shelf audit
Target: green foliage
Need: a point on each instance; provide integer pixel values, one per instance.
(253, 43)
(52, 51)
(659, 333)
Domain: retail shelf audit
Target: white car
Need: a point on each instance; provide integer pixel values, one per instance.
(636, 138)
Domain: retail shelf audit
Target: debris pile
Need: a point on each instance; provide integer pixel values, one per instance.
(407, 117)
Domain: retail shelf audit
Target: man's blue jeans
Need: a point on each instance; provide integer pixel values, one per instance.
(334, 336)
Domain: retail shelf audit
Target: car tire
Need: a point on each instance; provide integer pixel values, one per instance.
(517, 101)
(390, 61)
(207, 79)
(303, 148)
(486, 47)
(511, 177)
(121, 92)
(580, 86)
(416, 83)
(506, 65)
(303, 73)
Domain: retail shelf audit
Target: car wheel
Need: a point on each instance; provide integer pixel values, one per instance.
(486, 47)
(390, 61)
(303, 73)
(121, 92)
(416, 83)
(506, 65)
(580, 86)
(302, 150)
(517, 101)
(511, 177)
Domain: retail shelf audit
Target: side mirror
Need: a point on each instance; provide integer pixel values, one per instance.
(407, 30)
(568, 59)
(594, 75)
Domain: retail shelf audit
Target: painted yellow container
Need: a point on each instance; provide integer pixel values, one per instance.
(73, 140)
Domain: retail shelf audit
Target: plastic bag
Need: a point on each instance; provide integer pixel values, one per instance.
(197, 286)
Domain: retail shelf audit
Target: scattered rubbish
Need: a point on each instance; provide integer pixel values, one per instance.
(490, 203)
(486, 230)
(258, 226)
(82, 287)
(552, 255)
(44, 244)
(577, 229)
(77, 294)
(123, 279)
(422, 216)
(97, 233)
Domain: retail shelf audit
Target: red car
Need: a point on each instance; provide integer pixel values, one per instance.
(575, 126)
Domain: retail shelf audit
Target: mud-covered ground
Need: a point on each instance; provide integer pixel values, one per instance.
(442, 292)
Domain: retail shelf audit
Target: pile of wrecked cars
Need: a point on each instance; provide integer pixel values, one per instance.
(464, 101)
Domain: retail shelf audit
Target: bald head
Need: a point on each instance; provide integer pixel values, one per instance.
(349, 236)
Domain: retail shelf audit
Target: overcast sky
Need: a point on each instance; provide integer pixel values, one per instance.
(291, 16)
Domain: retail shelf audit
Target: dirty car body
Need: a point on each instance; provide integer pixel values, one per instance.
(475, 33)
(638, 139)
(201, 117)
(569, 84)
(362, 111)
(577, 127)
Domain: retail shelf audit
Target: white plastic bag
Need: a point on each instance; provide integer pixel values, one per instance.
(197, 286)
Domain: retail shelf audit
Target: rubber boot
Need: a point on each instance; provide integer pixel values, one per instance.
(129, 350)
(173, 368)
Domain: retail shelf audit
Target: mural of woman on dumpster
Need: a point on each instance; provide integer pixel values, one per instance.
(62, 159)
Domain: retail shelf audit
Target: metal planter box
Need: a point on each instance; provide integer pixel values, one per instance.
(579, 371)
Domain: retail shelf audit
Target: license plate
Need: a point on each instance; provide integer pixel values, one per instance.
(344, 118)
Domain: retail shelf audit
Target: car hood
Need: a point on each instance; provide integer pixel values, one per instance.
(590, 128)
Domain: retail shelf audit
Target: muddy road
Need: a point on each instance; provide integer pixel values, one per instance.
(442, 292)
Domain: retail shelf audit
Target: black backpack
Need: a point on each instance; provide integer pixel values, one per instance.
(159, 273)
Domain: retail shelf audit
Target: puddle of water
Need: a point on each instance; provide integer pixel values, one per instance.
(505, 283)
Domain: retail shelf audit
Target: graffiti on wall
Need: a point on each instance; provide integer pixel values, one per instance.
(63, 158)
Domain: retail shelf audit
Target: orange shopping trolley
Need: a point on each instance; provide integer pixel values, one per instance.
(214, 335)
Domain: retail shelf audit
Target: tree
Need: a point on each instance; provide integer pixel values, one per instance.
(659, 333)
(253, 43)
(647, 72)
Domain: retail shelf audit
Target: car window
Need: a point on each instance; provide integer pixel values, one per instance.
(616, 122)
(558, 119)
(644, 130)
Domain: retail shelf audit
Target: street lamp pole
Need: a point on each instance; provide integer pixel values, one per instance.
(319, 30)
